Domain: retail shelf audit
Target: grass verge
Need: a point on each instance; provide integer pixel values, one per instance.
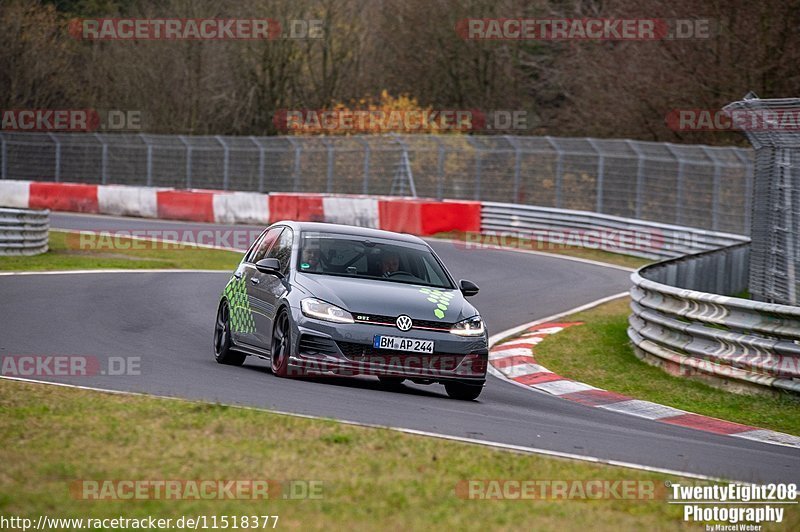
(605, 359)
(371, 478)
(123, 253)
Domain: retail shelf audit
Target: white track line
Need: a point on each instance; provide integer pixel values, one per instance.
(492, 340)
(496, 338)
(632, 407)
(84, 272)
(486, 443)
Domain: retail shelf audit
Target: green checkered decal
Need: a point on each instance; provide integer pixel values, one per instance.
(440, 299)
(241, 315)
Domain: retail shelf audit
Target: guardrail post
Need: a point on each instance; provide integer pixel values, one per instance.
(440, 169)
(748, 187)
(226, 179)
(679, 189)
(298, 151)
(559, 169)
(517, 164)
(188, 147)
(601, 167)
(478, 173)
(639, 177)
(4, 157)
(783, 158)
(329, 170)
(715, 188)
(478, 168)
(367, 152)
(261, 162)
(103, 159)
(403, 170)
(58, 157)
(149, 159)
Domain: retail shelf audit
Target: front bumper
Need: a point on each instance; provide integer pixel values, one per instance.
(325, 348)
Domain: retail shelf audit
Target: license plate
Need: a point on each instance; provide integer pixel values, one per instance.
(398, 343)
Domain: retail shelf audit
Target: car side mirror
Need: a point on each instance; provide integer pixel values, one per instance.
(270, 266)
(468, 288)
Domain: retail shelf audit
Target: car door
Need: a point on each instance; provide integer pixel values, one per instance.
(244, 309)
(267, 289)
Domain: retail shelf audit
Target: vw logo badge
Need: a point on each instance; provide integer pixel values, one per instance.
(403, 323)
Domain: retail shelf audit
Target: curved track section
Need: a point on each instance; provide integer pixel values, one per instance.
(166, 319)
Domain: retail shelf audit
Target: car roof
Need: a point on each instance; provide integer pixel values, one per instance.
(366, 232)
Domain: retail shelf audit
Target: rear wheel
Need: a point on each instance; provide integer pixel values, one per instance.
(281, 345)
(464, 392)
(222, 339)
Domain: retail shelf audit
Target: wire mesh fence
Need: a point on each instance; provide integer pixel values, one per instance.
(775, 232)
(692, 185)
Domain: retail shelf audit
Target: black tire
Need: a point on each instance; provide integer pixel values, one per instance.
(391, 382)
(223, 352)
(463, 392)
(281, 345)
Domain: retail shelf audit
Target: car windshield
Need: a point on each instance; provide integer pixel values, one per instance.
(370, 258)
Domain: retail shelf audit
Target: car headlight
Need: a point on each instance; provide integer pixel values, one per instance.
(469, 327)
(314, 308)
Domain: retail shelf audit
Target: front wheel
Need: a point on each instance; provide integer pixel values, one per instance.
(281, 345)
(464, 392)
(222, 339)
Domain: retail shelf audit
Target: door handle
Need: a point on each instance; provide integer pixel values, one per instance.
(255, 280)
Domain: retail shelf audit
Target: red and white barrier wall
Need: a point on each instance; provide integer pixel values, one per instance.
(407, 215)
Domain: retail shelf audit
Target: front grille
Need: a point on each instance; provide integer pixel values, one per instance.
(359, 351)
(377, 319)
(401, 361)
(317, 345)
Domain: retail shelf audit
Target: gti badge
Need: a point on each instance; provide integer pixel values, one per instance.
(403, 322)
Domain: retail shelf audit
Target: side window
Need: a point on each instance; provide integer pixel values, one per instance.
(261, 249)
(282, 250)
(254, 246)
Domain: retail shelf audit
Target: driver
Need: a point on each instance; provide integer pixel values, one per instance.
(390, 263)
(310, 259)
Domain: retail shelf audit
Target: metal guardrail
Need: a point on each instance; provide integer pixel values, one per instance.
(687, 185)
(679, 321)
(23, 231)
(678, 325)
(775, 226)
(555, 227)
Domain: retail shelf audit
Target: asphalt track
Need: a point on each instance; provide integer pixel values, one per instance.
(167, 320)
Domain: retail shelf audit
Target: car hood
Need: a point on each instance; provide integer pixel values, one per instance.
(386, 298)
